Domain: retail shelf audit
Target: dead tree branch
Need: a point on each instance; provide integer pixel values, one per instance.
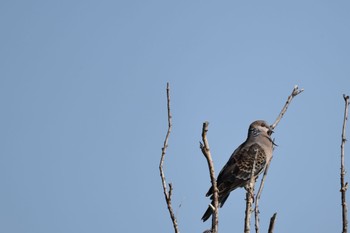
(272, 223)
(167, 194)
(250, 196)
(343, 184)
(257, 199)
(206, 152)
(296, 91)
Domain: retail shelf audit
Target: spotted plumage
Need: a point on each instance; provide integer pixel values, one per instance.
(237, 171)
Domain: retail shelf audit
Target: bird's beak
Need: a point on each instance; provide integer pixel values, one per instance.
(270, 131)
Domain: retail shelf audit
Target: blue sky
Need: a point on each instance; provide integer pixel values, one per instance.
(83, 111)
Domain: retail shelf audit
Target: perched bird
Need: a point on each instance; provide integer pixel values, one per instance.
(237, 171)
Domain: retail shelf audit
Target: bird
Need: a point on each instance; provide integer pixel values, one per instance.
(237, 171)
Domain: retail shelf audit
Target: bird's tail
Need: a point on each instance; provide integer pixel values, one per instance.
(207, 213)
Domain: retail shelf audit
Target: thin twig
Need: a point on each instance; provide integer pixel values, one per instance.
(167, 194)
(272, 223)
(344, 185)
(250, 196)
(296, 91)
(257, 199)
(206, 152)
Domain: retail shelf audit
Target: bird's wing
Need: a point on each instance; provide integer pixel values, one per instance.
(245, 160)
(225, 171)
(237, 171)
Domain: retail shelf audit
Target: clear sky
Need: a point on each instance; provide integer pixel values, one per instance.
(83, 111)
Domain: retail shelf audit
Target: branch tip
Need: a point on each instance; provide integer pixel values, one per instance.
(167, 194)
(343, 184)
(205, 126)
(272, 223)
(296, 91)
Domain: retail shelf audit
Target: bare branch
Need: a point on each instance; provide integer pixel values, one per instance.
(272, 223)
(344, 185)
(257, 199)
(167, 194)
(250, 196)
(206, 152)
(296, 91)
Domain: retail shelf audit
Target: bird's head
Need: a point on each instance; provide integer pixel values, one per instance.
(259, 127)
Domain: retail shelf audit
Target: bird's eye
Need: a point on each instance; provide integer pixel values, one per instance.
(263, 125)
